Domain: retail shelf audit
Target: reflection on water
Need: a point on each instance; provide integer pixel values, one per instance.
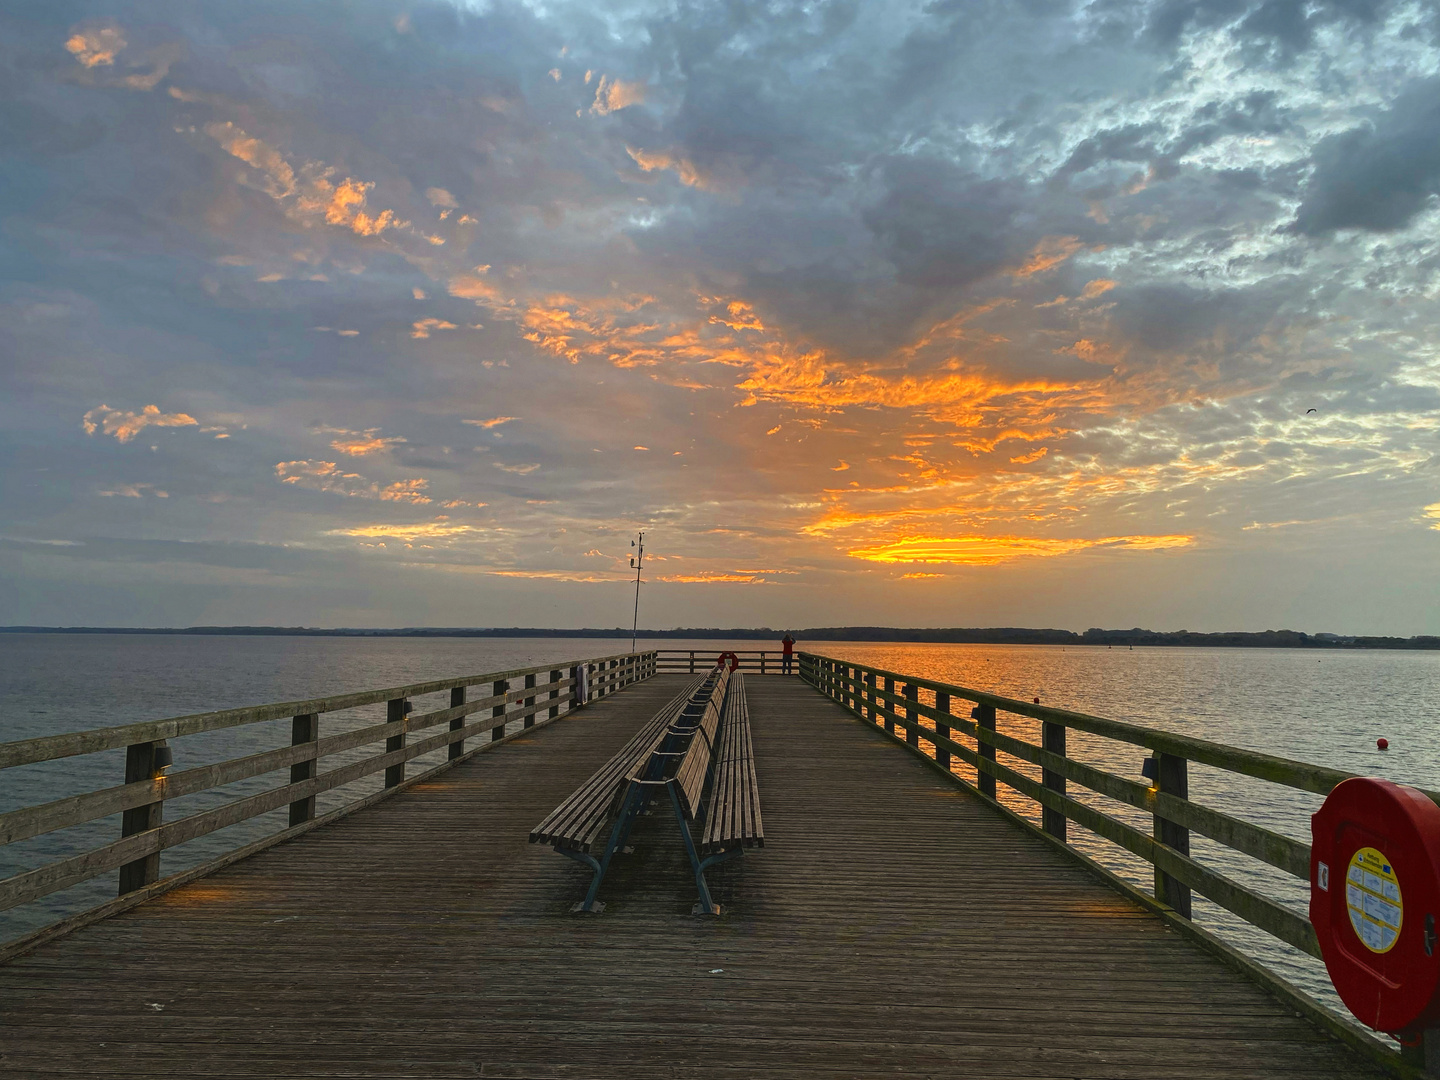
(1322, 707)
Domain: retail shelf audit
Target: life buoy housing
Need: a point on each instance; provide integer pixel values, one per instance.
(734, 660)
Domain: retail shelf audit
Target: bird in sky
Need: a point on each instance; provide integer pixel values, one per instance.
(1308, 411)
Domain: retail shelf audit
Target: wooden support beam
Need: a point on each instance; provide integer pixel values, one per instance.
(502, 687)
(1173, 780)
(457, 698)
(140, 765)
(912, 735)
(942, 705)
(395, 710)
(304, 728)
(530, 700)
(1052, 738)
(985, 717)
(555, 692)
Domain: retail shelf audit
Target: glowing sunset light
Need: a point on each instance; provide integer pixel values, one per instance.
(982, 550)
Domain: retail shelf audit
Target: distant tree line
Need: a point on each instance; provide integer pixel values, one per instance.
(1001, 635)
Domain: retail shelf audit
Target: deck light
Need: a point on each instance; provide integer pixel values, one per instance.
(1150, 769)
(164, 756)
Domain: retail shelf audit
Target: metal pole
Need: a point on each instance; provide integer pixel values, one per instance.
(638, 562)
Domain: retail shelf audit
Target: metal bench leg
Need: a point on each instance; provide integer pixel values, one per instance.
(706, 905)
(634, 800)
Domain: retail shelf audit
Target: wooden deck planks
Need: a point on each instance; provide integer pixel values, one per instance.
(891, 926)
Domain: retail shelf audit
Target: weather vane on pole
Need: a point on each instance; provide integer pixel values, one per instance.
(637, 561)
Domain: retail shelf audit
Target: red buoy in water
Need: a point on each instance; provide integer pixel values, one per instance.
(1382, 744)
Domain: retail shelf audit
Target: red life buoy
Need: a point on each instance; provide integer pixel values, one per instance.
(734, 660)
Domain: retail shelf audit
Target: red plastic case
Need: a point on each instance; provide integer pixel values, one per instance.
(1375, 899)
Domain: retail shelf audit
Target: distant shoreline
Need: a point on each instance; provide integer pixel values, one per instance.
(1267, 639)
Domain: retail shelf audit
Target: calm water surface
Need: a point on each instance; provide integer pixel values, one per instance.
(1325, 707)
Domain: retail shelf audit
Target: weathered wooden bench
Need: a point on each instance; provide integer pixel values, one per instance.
(678, 750)
(578, 822)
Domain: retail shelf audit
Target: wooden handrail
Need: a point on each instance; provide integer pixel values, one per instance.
(890, 700)
(49, 747)
(136, 853)
(1302, 775)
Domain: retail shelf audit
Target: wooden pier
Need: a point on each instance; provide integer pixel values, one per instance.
(895, 924)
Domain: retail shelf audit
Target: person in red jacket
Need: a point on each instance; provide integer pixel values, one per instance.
(788, 655)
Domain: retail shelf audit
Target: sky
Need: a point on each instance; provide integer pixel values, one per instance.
(961, 313)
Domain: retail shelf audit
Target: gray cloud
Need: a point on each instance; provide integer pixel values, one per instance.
(1380, 175)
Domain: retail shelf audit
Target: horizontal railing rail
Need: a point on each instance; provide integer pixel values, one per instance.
(892, 700)
(520, 696)
(694, 661)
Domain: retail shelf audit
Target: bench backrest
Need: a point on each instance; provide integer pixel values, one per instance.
(695, 766)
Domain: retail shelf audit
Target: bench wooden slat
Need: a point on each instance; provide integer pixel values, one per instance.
(733, 817)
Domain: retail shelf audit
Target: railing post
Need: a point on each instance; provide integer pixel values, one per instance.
(395, 711)
(942, 705)
(1424, 1053)
(140, 764)
(574, 687)
(498, 712)
(912, 736)
(530, 701)
(692, 661)
(889, 705)
(762, 661)
(304, 728)
(1052, 738)
(985, 717)
(1173, 780)
(555, 693)
(457, 697)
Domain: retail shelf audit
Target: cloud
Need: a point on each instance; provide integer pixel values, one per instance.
(135, 491)
(97, 46)
(1049, 253)
(363, 443)
(987, 550)
(422, 327)
(519, 470)
(278, 177)
(126, 425)
(442, 198)
(1433, 511)
(653, 160)
(1378, 176)
(611, 95)
(493, 422)
(425, 530)
(309, 195)
(327, 476)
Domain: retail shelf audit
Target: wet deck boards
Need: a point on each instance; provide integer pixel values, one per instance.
(891, 926)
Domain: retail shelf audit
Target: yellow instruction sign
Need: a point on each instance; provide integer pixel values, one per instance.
(1372, 896)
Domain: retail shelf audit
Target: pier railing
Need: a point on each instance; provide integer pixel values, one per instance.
(694, 661)
(509, 702)
(929, 717)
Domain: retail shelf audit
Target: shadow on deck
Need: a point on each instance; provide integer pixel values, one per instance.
(892, 926)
